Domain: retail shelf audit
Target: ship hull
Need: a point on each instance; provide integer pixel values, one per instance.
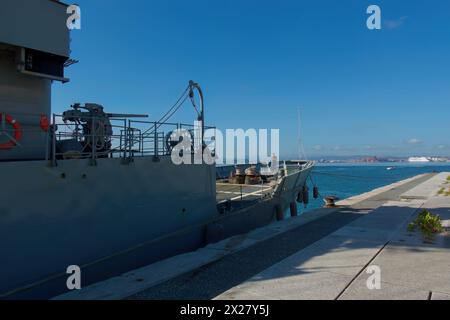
(111, 218)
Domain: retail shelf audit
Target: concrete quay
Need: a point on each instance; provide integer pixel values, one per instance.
(336, 267)
(322, 254)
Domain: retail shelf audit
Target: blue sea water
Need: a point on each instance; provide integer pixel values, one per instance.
(347, 180)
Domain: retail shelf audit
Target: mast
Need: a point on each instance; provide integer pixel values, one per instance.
(301, 150)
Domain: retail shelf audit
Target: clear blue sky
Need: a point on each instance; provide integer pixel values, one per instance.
(361, 92)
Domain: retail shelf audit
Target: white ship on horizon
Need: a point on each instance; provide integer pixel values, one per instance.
(427, 159)
(419, 159)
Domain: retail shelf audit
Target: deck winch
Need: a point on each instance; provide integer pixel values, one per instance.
(249, 176)
(237, 176)
(252, 176)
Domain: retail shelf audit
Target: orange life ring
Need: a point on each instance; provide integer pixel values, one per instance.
(44, 123)
(17, 132)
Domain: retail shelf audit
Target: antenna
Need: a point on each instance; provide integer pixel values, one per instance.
(301, 150)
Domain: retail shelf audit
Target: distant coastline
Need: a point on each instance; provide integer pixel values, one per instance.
(386, 160)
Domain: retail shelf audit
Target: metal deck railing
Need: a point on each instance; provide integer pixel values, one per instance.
(119, 138)
(126, 139)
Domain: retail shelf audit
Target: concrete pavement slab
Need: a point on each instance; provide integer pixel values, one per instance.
(335, 254)
(388, 217)
(421, 267)
(428, 188)
(368, 234)
(304, 286)
(388, 291)
(440, 296)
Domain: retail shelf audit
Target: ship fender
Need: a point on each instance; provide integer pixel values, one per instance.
(17, 132)
(305, 195)
(279, 212)
(300, 197)
(316, 192)
(293, 208)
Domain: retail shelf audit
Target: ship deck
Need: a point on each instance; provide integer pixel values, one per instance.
(241, 192)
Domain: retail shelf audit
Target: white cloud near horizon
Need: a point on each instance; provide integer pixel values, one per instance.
(394, 23)
(413, 141)
(317, 147)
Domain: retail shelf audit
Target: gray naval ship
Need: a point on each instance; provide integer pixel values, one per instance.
(100, 190)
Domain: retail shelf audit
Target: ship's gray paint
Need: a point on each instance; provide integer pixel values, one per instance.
(35, 24)
(75, 213)
(263, 212)
(292, 184)
(25, 98)
(111, 218)
(39, 25)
